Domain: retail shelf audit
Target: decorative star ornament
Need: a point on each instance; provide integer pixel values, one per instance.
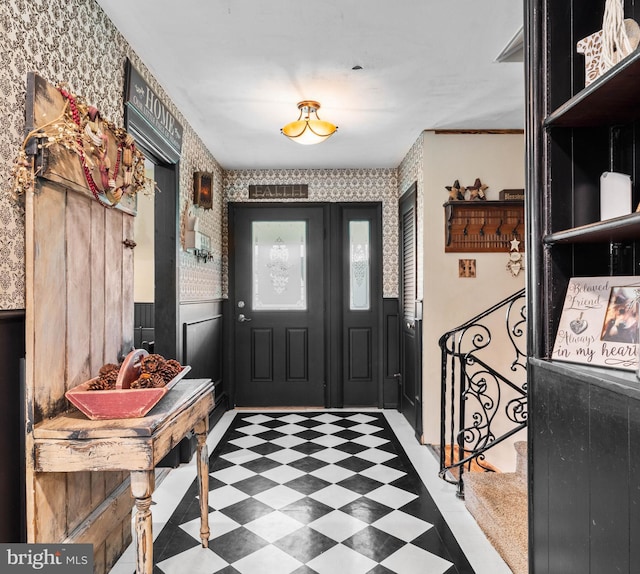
(515, 263)
(456, 192)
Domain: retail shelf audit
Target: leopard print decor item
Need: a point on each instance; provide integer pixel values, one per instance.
(594, 65)
(592, 46)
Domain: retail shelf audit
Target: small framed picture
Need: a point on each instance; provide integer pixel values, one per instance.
(203, 189)
(599, 322)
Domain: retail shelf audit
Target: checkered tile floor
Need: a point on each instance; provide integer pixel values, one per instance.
(310, 492)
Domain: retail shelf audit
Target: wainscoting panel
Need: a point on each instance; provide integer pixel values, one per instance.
(12, 518)
(391, 353)
(202, 340)
(144, 326)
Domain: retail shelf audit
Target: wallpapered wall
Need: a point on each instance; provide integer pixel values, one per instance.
(329, 185)
(73, 42)
(411, 170)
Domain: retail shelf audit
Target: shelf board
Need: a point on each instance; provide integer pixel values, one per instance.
(613, 98)
(624, 228)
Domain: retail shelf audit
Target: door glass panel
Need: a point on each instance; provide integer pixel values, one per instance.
(279, 265)
(359, 269)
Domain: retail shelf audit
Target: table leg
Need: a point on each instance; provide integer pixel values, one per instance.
(142, 485)
(200, 431)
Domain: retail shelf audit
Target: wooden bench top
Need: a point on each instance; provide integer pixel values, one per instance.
(74, 425)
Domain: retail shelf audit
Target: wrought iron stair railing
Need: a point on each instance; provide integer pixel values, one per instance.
(482, 405)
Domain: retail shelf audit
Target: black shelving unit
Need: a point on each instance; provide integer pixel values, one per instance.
(584, 422)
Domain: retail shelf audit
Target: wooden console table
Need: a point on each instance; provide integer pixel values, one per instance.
(71, 443)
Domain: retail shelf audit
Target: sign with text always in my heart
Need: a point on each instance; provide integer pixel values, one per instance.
(599, 323)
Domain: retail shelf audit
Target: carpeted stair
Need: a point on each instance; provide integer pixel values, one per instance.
(498, 502)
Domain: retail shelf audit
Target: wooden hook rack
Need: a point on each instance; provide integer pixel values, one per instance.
(483, 226)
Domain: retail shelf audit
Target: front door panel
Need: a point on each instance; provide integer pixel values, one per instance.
(279, 306)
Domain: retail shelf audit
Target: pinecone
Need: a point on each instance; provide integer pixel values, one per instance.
(108, 375)
(101, 384)
(148, 381)
(150, 363)
(169, 369)
(109, 367)
(142, 382)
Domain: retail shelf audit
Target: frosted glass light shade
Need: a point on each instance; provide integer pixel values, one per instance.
(308, 128)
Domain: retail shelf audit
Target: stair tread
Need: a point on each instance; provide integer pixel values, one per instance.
(498, 502)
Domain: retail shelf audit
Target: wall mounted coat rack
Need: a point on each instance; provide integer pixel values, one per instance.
(487, 226)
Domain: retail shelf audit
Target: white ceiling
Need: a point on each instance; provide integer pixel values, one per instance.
(237, 68)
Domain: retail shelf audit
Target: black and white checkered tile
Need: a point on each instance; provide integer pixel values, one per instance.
(296, 493)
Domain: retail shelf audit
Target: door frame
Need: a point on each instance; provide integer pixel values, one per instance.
(230, 353)
(333, 296)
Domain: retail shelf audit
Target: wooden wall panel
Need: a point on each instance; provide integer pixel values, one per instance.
(78, 299)
(608, 491)
(12, 479)
(391, 341)
(48, 523)
(47, 315)
(126, 286)
(99, 563)
(79, 315)
(78, 497)
(98, 488)
(112, 285)
(97, 318)
(634, 488)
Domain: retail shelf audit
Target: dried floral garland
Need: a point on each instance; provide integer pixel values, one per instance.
(80, 129)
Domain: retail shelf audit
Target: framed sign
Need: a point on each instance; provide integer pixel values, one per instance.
(599, 322)
(203, 189)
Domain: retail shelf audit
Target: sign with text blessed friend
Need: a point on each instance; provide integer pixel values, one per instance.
(599, 322)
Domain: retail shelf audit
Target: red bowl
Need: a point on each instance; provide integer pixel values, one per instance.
(121, 402)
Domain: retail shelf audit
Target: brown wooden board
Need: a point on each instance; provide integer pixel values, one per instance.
(95, 278)
(48, 311)
(112, 445)
(78, 304)
(74, 425)
(60, 165)
(112, 284)
(483, 226)
(79, 310)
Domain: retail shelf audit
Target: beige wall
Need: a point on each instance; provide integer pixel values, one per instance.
(498, 160)
(143, 254)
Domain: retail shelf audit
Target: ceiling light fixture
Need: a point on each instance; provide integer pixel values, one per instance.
(308, 128)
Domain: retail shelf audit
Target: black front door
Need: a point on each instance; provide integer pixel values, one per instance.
(279, 305)
(306, 297)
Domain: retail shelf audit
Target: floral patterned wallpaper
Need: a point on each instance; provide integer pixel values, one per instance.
(74, 42)
(412, 169)
(330, 185)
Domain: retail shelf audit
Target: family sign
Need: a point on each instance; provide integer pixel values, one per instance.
(599, 323)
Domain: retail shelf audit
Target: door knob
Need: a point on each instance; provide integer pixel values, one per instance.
(242, 318)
